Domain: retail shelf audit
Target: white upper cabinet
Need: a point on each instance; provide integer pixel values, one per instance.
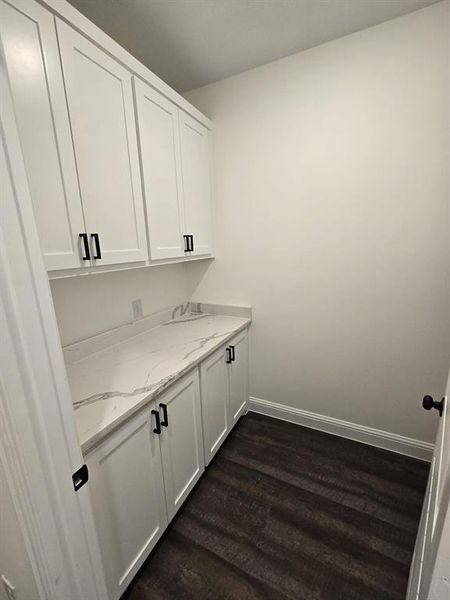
(100, 100)
(92, 149)
(160, 161)
(30, 46)
(175, 170)
(196, 183)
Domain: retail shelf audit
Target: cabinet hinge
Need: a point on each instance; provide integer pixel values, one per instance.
(80, 477)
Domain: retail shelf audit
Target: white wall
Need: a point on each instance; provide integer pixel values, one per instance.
(332, 192)
(90, 304)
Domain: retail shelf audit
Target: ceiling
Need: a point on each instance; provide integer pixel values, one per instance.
(190, 43)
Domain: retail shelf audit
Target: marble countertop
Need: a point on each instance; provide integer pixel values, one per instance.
(114, 375)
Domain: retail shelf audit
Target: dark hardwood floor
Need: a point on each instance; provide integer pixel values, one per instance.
(289, 512)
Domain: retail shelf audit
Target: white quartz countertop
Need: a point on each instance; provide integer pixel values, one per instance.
(114, 375)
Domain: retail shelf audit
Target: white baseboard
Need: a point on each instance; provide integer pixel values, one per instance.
(352, 431)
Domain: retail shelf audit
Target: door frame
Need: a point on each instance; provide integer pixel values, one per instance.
(39, 447)
(435, 570)
(430, 566)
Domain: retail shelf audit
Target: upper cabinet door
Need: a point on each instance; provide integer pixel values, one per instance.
(31, 51)
(181, 440)
(100, 100)
(160, 163)
(196, 183)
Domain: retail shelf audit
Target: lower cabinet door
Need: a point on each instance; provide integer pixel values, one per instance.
(215, 411)
(181, 440)
(238, 374)
(127, 492)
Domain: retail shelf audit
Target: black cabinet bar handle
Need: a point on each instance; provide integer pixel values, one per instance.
(87, 252)
(229, 360)
(158, 423)
(165, 422)
(188, 243)
(233, 354)
(98, 252)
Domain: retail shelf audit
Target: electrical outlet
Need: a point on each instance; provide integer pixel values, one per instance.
(136, 305)
(9, 588)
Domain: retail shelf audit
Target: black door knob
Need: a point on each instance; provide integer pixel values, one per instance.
(428, 403)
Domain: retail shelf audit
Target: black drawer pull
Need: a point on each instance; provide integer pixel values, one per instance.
(188, 243)
(165, 422)
(233, 354)
(229, 359)
(98, 252)
(87, 252)
(157, 429)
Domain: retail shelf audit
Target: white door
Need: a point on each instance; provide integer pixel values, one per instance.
(181, 440)
(127, 491)
(39, 449)
(29, 41)
(100, 99)
(238, 374)
(424, 574)
(196, 184)
(159, 140)
(215, 393)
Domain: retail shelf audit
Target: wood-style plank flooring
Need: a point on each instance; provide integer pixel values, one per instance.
(289, 512)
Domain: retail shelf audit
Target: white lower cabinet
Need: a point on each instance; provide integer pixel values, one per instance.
(224, 385)
(181, 440)
(238, 376)
(215, 392)
(127, 491)
(141, 474)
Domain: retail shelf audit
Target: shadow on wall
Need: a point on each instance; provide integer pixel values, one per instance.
(195, 272)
